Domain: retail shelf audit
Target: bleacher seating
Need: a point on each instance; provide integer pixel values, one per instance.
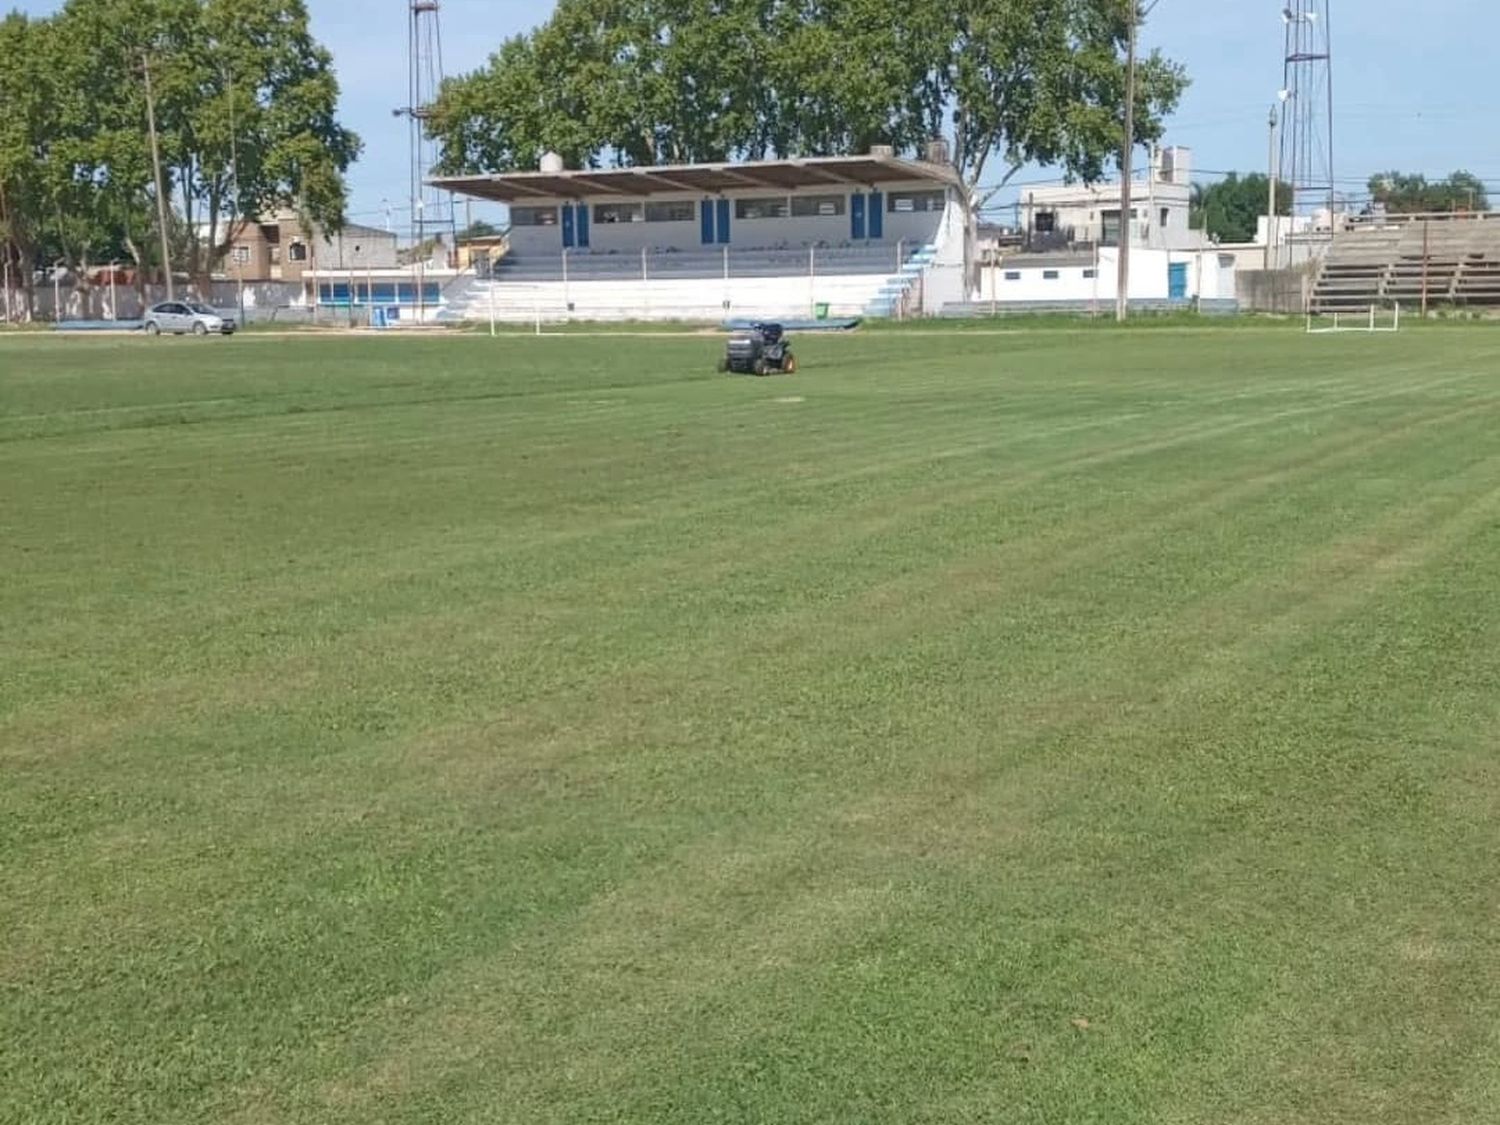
(1452, 260)
(692, 284)
(585, 265)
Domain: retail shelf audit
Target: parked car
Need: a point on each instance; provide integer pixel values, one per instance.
(182, 317)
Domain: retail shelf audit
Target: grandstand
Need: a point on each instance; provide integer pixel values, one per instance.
(1451, 259)
(845, 236)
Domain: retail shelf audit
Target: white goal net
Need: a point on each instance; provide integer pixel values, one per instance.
(1376, 318)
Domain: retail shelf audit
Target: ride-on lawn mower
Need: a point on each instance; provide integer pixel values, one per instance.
(760, 351)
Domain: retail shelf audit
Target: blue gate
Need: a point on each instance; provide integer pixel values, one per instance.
(1177, 281)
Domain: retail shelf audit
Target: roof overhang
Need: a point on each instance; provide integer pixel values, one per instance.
(699, 179)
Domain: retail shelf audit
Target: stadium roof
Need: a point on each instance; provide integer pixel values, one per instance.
(674, 179)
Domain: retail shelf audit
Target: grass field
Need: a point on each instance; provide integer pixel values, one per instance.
(1056, 727)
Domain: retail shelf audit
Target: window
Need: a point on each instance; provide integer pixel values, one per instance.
(675, 211)
(1046, 222)
(1049, 275)
(1109, 228)
(618, 213)
(1090, 274)
(242, 255)
(764, 207)
(812, 206)
(1165, 214)
(296, 252)
(1012, 275)
(905, 202)
(533, 216)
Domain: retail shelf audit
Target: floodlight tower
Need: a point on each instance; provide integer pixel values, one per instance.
(424, 54)
(1307, 113)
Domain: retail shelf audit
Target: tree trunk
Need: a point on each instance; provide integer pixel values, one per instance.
(140, 270)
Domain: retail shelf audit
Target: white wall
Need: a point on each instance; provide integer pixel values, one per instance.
(364, 249)
(916, 228)
(1210, 274)
(1208, 277)
(706, 301)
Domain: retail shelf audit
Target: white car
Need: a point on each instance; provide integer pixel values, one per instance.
(182, 317)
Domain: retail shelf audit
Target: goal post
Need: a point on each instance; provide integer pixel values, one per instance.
(534, 306)
(1375, 318)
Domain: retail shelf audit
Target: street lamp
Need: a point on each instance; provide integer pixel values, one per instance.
(1273, 219)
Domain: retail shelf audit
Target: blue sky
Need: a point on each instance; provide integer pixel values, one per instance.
(1413, 82)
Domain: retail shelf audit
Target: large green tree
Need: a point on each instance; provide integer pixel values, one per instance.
(24, 133)
(99, 191)
(239, 85)
(1009, 82)
(1405, 193)
(247, 108)
(1231, 209)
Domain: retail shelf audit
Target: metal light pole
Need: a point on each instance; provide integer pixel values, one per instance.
(1127, 156)
(1136, 15)
(1271, 192)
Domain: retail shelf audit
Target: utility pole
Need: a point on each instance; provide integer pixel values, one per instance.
(1127, 154)
(1271, 193)
(234, 214)
(161, 194)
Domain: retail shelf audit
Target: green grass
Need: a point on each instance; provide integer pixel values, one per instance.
(451, 730)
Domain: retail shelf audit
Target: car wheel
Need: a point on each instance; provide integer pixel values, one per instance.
(789, 364)
(200, 329)
(760, 367)
(152, 328)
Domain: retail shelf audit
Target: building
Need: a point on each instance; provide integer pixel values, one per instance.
(859, 235)
(863, 200)
(282, 250)
(1067, 252)
(1082, 280)
(1067, 216)
(480, 252)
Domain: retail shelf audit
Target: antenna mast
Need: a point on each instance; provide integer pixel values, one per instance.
(424, 53)
(1307, 117)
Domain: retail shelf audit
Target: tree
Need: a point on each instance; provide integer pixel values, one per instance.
(23, 132)
(1231, 209)
(249, 103)
(1402, 193)
(642, 81)
(232, 79)
(97, 172)
(479, 229)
